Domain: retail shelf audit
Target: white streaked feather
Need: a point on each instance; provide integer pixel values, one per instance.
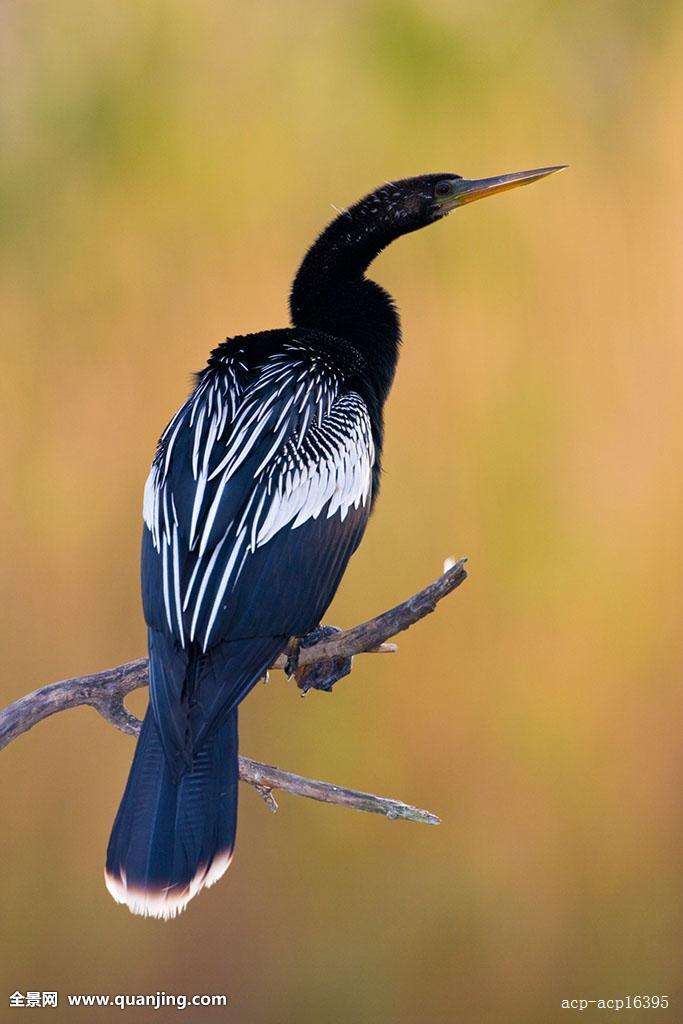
(171, 441)
(255, 521)
(164, 577)
(278, 441)
(209, 443)
(203, 586)
(197, 440)
(190, 585)
(176, 585)
(150, 499)
(239, 448)
(320, 461)
(222, 587)
(197, 507)
(213, 510)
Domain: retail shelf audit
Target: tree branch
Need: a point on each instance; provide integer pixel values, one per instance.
(318, 663)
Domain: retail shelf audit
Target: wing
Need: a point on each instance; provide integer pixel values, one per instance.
(258, 495)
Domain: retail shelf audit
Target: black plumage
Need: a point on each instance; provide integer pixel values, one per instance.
(259, 493)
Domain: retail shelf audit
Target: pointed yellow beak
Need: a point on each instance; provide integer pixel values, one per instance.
(465, 190)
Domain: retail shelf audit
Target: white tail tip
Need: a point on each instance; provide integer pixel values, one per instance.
(166, 903)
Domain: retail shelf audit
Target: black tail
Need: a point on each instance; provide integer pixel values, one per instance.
(173, 836)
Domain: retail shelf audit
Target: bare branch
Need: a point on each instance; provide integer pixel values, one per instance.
(318, 665)
(264, 776)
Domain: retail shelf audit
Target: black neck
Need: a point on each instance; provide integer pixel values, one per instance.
(332, 294)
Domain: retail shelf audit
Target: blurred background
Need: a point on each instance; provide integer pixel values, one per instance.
(163, 168)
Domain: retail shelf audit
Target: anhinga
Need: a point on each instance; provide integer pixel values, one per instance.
(259, 493)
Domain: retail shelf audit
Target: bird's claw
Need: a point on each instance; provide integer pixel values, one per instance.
(323, 674)
(293, 650)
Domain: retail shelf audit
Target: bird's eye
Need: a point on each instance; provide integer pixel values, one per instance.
(443, 188)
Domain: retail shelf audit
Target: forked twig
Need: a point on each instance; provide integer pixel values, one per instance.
(317, 666)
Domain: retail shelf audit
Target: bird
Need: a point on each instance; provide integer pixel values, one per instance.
(259, 493)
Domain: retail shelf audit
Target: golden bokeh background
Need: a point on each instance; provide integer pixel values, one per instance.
(164, 166)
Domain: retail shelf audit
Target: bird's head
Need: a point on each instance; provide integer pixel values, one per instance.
(412, 203)
(325, 290)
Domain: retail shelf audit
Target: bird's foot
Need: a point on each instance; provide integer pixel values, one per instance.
(292, 651)
(318, 675)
